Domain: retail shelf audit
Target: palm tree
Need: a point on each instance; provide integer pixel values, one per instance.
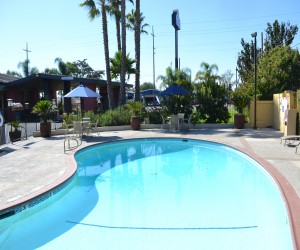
(116, 65)
(122, 97)
(135, 20)
(93, 13)
(25, 67)
(62, 66)
(207, 75)
(180, 76)
(114, 10)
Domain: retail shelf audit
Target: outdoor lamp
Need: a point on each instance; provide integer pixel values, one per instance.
(9, 102)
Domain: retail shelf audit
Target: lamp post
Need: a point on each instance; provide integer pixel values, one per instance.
(9, 105)
(254, 34)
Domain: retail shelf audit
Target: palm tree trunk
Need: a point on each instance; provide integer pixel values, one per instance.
(118, 30)
(122, 98)
(111, 102)
(137, 40)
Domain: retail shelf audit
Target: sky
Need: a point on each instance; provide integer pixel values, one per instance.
(211, 32)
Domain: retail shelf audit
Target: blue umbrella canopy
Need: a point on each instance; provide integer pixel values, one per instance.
(82, 91)
(175, 89)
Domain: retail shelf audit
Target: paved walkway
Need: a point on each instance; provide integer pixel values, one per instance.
(28, 166)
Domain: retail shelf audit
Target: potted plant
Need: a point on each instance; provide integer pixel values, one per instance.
(14, 133)
(240, 99)
(44, 108)
(135, 108)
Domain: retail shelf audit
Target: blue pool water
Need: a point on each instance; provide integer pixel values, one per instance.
(157, 194)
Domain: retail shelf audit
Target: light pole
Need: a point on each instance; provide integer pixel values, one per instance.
(254, 34)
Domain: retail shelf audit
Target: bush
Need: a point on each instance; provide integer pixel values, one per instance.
(116, 117)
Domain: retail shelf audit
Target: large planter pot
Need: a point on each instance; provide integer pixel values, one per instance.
(15, 136)
(239, 121)
(136, 123)
(45, 129)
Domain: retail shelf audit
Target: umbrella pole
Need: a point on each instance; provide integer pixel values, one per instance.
(81, 106)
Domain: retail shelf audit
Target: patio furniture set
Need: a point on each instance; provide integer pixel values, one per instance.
(77, 130)
(176, 122)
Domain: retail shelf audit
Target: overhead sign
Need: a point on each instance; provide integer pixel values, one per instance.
(176, 19)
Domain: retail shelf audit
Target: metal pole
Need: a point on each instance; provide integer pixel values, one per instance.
(254, 35)
(153, 66)
(176, 49)
(236, 81)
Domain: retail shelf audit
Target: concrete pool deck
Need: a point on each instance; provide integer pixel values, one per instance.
(29, 167)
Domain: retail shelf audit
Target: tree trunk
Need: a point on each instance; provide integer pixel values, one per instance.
(137, 40)
(118, 30)
(122, 98)
(106, 53)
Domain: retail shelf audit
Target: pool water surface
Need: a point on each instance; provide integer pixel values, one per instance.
(157, 194)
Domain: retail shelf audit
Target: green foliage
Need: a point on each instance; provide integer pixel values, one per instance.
(276, 35)
(240, 98)
(116, 64)
(177, 103)
(135, 108)
(79, 68)
(14, 125)
(154, 114)
(278, 70)
(146, 85)
(279, 34)
(43, 108)
(212, 103)
(245, 61)
(181, 76)
(211, 97)
(117, 117)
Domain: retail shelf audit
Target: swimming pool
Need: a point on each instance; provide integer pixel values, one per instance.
(157, 194)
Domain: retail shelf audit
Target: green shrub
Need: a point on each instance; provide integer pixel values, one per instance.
(117, 117)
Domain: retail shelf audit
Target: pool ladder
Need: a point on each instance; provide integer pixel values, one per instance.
(71, 143)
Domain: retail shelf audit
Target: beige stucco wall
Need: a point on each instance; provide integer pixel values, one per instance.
(271, 113)
(264, 114)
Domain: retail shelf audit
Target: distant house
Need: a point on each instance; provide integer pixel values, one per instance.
(29, 90)
(150, 97)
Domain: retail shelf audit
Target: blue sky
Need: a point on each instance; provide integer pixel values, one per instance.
(211, 32)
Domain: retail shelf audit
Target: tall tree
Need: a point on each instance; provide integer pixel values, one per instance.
(114, 10)
(279, 34)
(245, 61)
(93, 13)
(25, 68)
(278, 70)
(135, 23)
(122, 96)
(211, 96)
(180, 76)
(207, 74)
(62, 66)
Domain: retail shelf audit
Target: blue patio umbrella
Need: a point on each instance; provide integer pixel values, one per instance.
(175, 89)
(82, 92)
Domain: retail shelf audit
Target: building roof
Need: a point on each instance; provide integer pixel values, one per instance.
(6, 79)
(40, 76)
